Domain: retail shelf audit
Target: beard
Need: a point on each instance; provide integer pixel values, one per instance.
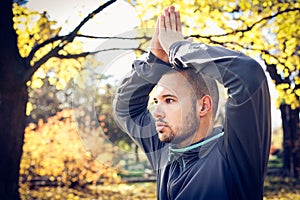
(186, 131)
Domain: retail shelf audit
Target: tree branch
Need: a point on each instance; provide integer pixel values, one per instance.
(253, 49)
(273, 73)
(121, 38)
(64, 41)
(87, 18)
(84, 54)
(38, 46)
(270, 67)
(248, 27)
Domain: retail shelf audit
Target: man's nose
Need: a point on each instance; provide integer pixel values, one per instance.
(158, 112)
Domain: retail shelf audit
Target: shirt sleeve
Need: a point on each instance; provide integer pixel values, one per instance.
(131, 101)
(247, 126)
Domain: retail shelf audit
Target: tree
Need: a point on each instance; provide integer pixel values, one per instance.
(15, 71)
(44, 102)
(54, 151)
(265, 29)
(253, 20)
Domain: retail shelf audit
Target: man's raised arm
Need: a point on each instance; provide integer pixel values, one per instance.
(247, 127)
(247, 124)
(131, 100)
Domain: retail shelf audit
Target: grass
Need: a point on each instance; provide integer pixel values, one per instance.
(281, 188)
(276, 188)
(144, 191)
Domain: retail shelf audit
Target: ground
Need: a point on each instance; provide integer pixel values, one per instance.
(276, 188)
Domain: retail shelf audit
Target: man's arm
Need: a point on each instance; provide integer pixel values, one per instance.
(131, 101)
(247, 125)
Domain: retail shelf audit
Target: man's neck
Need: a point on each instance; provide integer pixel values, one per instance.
(203, 131)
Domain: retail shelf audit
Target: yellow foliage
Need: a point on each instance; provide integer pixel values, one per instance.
(287, 96)
(53, 149)
(33, 29)
(29, 108)
(234, 24)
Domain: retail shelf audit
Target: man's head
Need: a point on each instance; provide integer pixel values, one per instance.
(183, 100)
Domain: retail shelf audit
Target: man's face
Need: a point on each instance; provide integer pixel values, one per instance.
(175, 109)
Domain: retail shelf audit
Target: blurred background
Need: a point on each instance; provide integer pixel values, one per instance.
(61, 64)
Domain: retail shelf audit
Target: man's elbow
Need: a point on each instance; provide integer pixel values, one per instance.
(254, 74)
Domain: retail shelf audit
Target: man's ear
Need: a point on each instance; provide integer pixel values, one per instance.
(205, 105)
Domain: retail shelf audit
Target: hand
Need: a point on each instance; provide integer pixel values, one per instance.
(155, 46)
(169, 28)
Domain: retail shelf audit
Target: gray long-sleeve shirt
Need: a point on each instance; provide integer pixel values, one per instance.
(230, 167)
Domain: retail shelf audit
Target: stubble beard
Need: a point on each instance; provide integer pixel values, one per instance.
(185, 132)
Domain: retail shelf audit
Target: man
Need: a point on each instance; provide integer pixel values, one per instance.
(192, 158)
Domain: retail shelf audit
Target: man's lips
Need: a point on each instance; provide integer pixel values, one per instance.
(160, 126)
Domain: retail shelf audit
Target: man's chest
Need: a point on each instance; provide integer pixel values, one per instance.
(207, 177)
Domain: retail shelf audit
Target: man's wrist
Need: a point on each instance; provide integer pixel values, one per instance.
(161, 55)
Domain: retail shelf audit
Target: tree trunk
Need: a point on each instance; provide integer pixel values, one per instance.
(291, 143)
(295, 127)
(13, 99)
(137, 158)
(12, 115)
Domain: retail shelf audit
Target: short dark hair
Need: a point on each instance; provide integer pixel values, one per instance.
(202, 85)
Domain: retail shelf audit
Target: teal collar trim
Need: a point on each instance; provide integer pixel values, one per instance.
(184, 149)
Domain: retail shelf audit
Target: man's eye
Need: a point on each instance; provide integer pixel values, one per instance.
(169, 100)
(155, 101)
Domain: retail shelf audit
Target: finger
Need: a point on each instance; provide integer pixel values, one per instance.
(178, 22)
(167, 19)
(157, 23)
(172, 18)
(155, 35)
(190, 39)
(156, 26)
(161, 21)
